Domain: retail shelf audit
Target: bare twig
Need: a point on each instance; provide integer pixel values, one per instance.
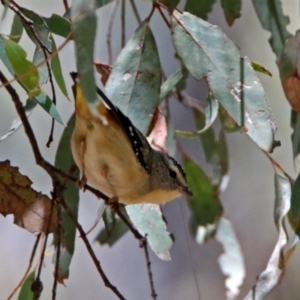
(90, 250)
(135, 11)
(28, 268)
(163, 16)
(122, 23)
(108, 36)
(144, 244)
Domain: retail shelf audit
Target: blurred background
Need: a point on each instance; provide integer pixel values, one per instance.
(248, 201)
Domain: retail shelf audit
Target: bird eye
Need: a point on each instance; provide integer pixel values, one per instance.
(172, 173)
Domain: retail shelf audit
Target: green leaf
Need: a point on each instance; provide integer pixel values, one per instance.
(215, 151)
(65, 162)
(43, 33)
(56, 69)
(100, 3)
(205, 204)
(16, 29)
(272, 275)
(47, 104)
(134, 82)
(25, 70)
(170, 4)
(169, 84)
(272, 19)
(211, 113)
(232, 10)
(231, 79)
(29, 106)
(227, 122)
(288, 59)
(109, 219)
(260, 68)
(199, 8)
(231, 261)
(295, 205)
(58, 25)
(42, 99)
(148, 220)
(118, 231)
(25, 292)
(84, 29)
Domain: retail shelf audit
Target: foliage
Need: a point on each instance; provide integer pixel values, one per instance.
(236, 101)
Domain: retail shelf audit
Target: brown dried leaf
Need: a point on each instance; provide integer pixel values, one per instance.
(31, 209)
(104, 70)
(291, 87)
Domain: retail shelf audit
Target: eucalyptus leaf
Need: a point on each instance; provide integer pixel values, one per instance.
(148, 220)
(134, 82)
(25, 292)
(272, 19)
(84, 29)
(65, 162)
(16, 29)
(58, 25)
(199, 8)
(42, 32)
(232, 10)
(231, 79)
(169, 84)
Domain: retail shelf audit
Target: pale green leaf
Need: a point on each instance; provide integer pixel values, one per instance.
(84, 29)
(231, 78)
(148, 220)
(16, 29)
(134, 82)
(272, 19)
(25, 292)
(169, 84)
(58, 25)
(231, 261)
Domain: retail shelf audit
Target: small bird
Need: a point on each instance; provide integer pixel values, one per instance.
(116, 158)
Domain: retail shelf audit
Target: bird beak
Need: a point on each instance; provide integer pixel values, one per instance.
(184, 190)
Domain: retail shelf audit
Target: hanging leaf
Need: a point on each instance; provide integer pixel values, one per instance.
(31, 210)
(231, 79)
(227, 122)
(289, 71)
(25, 70)
(29, 106)
(170, 83)
(109, 219)
(84, 29)
(232, 10)
(25, 292)
(170, 4)
(148, 220)
(272, 19)
(199, 8)
(211, 113)
(205, 203)
(104, 70)
(57, 71)
(65, 162)
(16, 29)
(134, 83)
(58, 25)
(274, 271)
(117, 232)
(43, 34)
(231, 261)
(260, 68)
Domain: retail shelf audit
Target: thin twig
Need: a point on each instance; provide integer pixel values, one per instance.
(90, 250)
(28, 268)
(163, 16)
(108, 36)
(122, 23)
(136, 12)
(144, 244)
(66, 5)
